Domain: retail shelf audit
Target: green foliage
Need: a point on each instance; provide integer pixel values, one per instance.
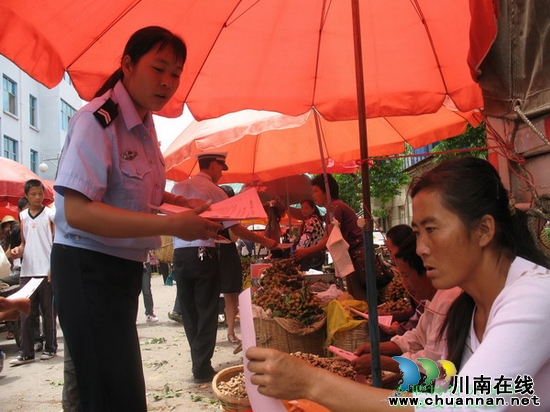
(473, 137)
(350, 189)
(167, 392)
(386, 180)
(387, 177)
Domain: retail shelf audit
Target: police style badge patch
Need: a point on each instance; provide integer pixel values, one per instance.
(106, 113)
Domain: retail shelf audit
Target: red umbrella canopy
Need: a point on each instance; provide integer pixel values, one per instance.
(288, 190)
(9, 210)
(12, 182)
(278, 55)
(263, 146)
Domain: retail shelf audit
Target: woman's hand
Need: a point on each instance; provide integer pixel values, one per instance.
(300, 254)
(190, 226)
(269, 243)
(362, 365)
(390, 330)
(192, 202)
(280, 375)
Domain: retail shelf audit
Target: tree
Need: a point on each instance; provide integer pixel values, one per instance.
(472, 138)
(350, 189)
(387, 177)
(386, 180)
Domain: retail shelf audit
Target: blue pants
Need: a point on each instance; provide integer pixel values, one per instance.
(97, 300)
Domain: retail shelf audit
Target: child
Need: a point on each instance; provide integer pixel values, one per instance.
(35, 249)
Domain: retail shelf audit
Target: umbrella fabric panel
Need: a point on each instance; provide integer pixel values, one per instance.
(12, 181)
(263, 54)
(289, 144)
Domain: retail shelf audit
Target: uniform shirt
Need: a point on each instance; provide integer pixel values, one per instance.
(120, 165)
(202, 187)
(38, 233)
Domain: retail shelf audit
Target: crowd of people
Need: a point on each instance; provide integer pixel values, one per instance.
(478, 282)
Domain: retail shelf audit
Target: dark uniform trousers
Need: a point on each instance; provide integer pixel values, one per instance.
(198, 289)
(97, 300)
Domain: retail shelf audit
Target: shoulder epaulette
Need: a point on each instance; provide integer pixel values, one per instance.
(106, 113)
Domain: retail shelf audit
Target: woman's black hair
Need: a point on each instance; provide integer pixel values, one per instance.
(312, 204)
(398, 234)
(471, 188)
(407, 253)
(319, 181)
(141, 42)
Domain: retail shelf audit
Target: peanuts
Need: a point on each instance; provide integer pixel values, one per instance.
(234, 387)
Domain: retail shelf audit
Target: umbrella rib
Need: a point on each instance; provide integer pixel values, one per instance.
(254, 156)
(105, 30)
(324, 12)
(223, 26)
(418, 9)
(229, 23)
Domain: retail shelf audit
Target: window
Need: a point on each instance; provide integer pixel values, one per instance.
(33, 108)
(10, 148)
(67, 111)
(10, 95)
(67, 78)
(34, 161)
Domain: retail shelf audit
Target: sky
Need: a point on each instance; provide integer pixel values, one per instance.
(169, 129)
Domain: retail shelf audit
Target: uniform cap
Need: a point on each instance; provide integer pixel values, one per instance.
(217, 156)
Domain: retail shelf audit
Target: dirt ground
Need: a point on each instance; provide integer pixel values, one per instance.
(166, 363)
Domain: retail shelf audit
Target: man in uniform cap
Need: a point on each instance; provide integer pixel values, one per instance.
(197, 267)
(218, 157)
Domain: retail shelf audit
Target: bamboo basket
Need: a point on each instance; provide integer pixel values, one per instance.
(165, 253)
(351, 339)
(229, 403)
(269, 334)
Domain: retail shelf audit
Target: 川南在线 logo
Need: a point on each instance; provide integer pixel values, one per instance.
(411, 372)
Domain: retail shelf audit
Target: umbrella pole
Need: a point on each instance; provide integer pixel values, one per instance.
(372, 298)
(322, 157)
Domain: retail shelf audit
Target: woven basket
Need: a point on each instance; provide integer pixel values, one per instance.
(229, 403)
(165, 253)
(269, 334)
(351, 339)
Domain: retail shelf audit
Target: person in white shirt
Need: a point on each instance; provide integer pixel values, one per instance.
(467, 236)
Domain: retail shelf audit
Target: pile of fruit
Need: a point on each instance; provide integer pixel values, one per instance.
(285, 294)
(396, 297)
(235, 387)
(335, 365)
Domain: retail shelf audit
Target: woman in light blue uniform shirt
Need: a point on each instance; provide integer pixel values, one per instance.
(110, 172)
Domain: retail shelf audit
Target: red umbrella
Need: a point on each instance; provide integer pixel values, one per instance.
(12, 181)
(9, 210)
(278, 55)
(263, 146)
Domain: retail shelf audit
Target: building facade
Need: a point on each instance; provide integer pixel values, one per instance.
(34, 119)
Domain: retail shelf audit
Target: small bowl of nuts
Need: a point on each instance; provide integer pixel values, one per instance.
(229, 387)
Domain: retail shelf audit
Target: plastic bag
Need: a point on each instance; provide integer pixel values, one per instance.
(338, 249)
(5, 266)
